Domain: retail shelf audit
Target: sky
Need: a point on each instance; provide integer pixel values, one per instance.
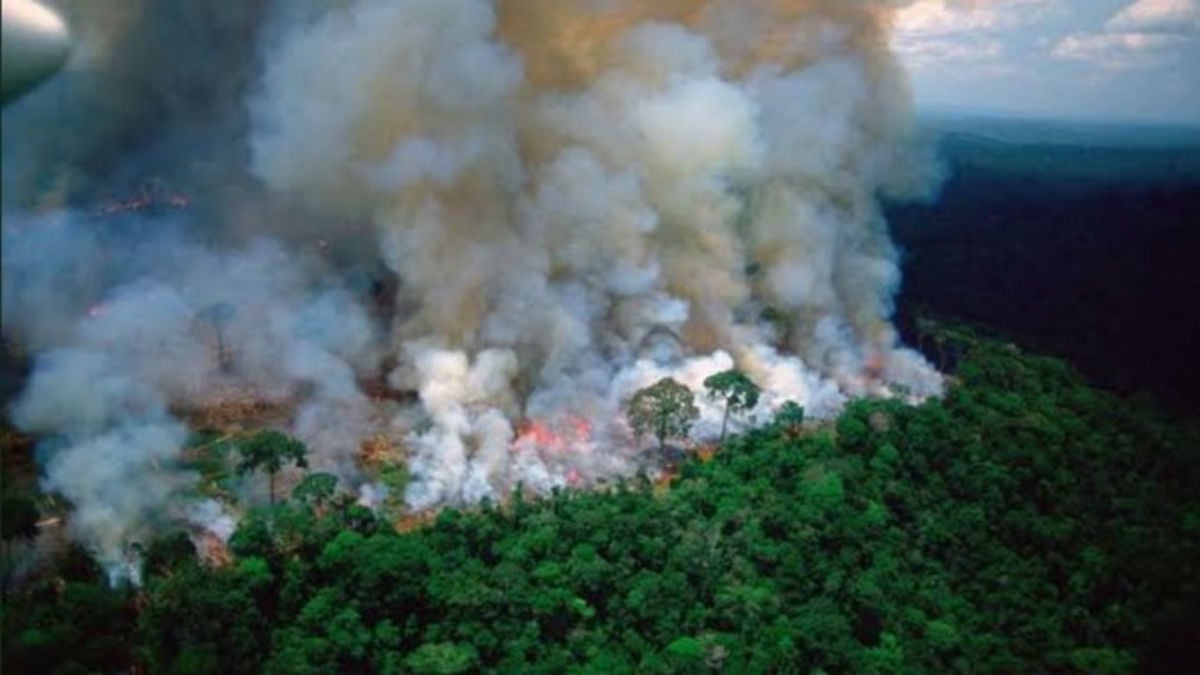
(1105, 60)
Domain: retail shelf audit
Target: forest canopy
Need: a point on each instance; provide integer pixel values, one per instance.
(1025, 523)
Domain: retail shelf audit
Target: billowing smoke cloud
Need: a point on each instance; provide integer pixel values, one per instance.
(519, 211)
(109, 385)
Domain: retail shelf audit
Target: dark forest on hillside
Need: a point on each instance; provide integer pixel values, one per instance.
(1083, 251)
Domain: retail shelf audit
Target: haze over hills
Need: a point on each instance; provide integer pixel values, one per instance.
(1063, 149)
(1029, 128)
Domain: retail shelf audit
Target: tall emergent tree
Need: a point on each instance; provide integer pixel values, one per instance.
(268, 451)
(666, 409)
(737, 391)
(219, 315)
(790, 418)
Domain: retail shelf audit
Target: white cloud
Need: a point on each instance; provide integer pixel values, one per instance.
(1146, 34)
(960, 52)
(1157, 16)
(1118, 51)
(940, 18)
(1129, 59)
(933, 33)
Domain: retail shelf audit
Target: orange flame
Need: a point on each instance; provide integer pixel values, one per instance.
(875, 364)
(582, 428)
(569, 433)
(539, 434)
(148, 196)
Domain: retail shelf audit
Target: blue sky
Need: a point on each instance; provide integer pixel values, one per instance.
(1091, 59)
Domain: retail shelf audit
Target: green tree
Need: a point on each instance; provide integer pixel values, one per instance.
(738, 391)
(18, 516)
(316, 489)
(268, 451)
(441, 658)
(18, 520)
(169, 552)
(789, 418)
(667, 409)
(687, 654)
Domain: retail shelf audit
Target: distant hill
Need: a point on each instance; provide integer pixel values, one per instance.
(1081, 239)
(1049, 150)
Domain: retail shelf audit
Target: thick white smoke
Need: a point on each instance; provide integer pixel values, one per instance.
(570, 199)
(106, 387)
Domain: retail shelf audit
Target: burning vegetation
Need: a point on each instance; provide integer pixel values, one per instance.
(151, 197)
(447, 245)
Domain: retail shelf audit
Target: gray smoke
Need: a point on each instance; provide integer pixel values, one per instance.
(571, 199)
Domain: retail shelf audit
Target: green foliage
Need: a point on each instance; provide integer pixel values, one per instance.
(269, 451)
(666, 409)
(316, 489)
(738, 391)
(443, 658)
(18, 514)
(168, 553)
(1102, 661)
(69, 627)
(208, 454)
(1025, 523)
(687, 653)
(394, 476)
(789, 418)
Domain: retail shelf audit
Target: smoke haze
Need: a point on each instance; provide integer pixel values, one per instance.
(518, 211)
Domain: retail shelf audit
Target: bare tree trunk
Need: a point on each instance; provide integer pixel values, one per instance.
(222, 359)
(271, 487)
(724, 422)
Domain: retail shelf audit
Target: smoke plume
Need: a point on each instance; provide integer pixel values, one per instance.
(516, 213)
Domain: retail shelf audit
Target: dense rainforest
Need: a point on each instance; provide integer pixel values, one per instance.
(1025, 523)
